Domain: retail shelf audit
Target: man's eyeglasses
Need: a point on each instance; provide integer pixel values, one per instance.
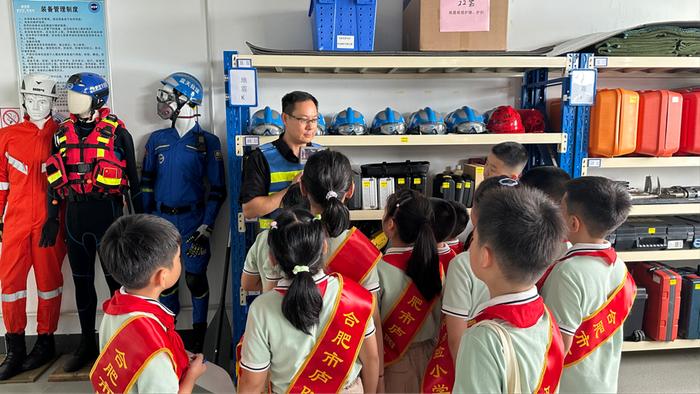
(306, 122)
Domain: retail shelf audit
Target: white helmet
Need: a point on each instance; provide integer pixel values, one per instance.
(40, 84)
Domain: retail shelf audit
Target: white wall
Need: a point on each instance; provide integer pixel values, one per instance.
(150, 39)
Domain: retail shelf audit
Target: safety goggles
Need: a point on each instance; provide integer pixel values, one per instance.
(430, 128)
(391, 129)
(350, 129)
(266, 129)
(470, 128)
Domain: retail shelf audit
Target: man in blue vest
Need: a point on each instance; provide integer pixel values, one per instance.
(269, 170)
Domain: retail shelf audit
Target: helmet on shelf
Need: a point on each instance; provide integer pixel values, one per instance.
(266, 121)
(426, 121)
(465, 120)
(505, 120)
(533, 120)
(92, 85)
(348, 122)
(321, 125)
(388, 122)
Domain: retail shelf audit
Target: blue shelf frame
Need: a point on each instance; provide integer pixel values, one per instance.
(575, 123)
(575, 120)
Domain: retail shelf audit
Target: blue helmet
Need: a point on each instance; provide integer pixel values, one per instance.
(348, 122)
(266, 121)
(465, 120)
(321, 125)
(389, 122)
(92, 85)
(426, 121)
(187, 85)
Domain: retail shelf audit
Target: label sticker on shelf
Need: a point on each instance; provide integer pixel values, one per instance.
(402, 181)
(404, 140)
(251, 141)
(595, 163)
(345, 42)
(676, 244)
(651, 230)
(600, 61)
(416, 181)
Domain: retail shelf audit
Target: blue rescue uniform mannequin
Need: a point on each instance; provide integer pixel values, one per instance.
(183, 182)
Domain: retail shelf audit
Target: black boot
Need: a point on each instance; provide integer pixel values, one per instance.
(199, 331)
(16, 353)
(44, 351)
(86, 354)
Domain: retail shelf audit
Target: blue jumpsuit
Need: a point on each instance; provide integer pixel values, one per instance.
(183, 182)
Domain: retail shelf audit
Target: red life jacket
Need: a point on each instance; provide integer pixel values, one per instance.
(89, 165)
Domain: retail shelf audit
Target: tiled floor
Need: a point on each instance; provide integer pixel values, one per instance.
(674, 371)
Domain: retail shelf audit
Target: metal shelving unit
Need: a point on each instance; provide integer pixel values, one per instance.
(654, 345)
(665, 209)
(639, 162)
(660, 255)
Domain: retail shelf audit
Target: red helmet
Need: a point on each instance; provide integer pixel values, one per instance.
(533, 120)
(505, 120)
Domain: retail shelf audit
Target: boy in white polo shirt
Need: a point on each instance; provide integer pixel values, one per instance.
(589, 290)
(509, 253)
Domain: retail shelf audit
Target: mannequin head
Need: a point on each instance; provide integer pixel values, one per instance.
(178, 99)
(87, 92)
(38, 96)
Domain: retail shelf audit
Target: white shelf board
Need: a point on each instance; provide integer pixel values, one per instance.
(660, 255)
(665, 209)
(423, 140)
(400, 64)
(648, 64)
(655, 345)
(642, 162)
(373, 214)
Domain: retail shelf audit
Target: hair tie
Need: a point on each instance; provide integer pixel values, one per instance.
(273, 225)
(300, 268)
(317, 216)
(510, 182)
(331, 194)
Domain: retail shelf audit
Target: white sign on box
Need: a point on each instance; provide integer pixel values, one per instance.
(243, 87)
(464, 15)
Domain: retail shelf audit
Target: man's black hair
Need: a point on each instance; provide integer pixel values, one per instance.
(290, 100)
(135, 246)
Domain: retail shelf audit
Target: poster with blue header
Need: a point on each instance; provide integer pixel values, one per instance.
(61, 38)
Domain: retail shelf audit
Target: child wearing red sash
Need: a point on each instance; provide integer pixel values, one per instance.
(141, 352)
(314, 332)
(549, 180)
(589, 290)
(513, 343)
(410, 277)
(461, 220)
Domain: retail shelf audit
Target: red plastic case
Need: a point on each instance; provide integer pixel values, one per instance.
(659, 124)
(663, 305)
(690, 124)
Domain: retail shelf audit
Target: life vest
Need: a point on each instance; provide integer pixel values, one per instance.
(282, 171)
(87, 165)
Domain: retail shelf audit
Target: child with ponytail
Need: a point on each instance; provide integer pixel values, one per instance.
(410, 277)
(314, 331)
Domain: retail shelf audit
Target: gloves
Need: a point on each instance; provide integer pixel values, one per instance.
(49, 233)
(199, 241)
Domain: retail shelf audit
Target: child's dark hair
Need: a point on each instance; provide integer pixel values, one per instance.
(327, 177)
(294, 199)
(525, 231)
(492, 183)
(461, 218)
(445, 219)
(548, 179)
(296, 243)
(512, 154)
(135, 246)
(602, 204)
(413, 215)
(290, 100)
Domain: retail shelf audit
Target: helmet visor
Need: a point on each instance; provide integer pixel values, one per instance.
(350, 129)
(432, 128)
(470, 128)
(392, 128)
(266, 129)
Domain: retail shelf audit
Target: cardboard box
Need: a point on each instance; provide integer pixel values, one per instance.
(421, 29)
(476, 172)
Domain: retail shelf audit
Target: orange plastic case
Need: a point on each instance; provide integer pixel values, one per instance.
(613, 129)
(690, 123)
(659, 125)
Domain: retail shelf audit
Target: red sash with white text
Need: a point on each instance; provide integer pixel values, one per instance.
(600, 326)
(134, 344)
(355, 258)
(406, 316)
(328, 365)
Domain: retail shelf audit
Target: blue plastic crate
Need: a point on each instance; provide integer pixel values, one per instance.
(343, 25)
